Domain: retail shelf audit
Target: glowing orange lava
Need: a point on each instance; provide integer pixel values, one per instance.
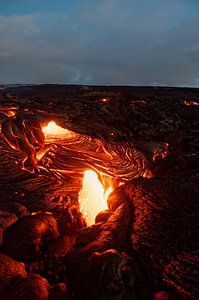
(52, 131)
(104, 100)
(190, 103)
(92, 197)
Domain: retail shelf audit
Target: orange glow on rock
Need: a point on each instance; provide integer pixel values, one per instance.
(11, 113)
(42, 152)
(92, 197)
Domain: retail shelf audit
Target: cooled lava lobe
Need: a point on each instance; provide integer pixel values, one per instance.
(145, 138)
(165, 232)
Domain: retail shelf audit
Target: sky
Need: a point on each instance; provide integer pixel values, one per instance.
(106, 42)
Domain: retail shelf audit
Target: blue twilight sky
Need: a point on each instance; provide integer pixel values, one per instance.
(123, 42)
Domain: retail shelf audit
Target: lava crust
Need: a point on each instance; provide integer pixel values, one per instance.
(141, 141)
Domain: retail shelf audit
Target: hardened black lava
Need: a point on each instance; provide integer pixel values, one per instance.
(144, 141)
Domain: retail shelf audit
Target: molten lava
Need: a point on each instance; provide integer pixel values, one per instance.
(52, 130)
(92, 197)
(190, 103)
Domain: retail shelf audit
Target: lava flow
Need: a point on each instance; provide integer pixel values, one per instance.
(92, 197)
(52, 130)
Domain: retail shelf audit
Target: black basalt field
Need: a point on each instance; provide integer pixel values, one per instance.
(142, 140)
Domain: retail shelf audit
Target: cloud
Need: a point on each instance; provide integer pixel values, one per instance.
(106, 42)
